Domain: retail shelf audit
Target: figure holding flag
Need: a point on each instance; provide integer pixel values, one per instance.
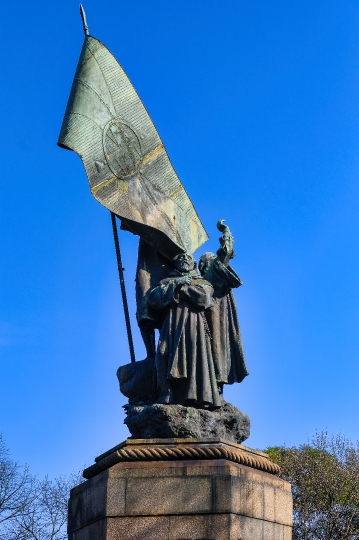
(130, 173)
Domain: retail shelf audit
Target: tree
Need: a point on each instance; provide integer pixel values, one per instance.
(46, 517)
(16, 490)
(324, 474)
(32, 509)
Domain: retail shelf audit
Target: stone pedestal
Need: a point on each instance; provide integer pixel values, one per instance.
(174, 498)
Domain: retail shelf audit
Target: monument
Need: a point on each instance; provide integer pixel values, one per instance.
(184, 473)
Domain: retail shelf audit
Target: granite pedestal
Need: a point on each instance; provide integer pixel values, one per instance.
(162, 497)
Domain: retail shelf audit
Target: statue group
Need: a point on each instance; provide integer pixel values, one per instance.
(199, 347)
(192, 305)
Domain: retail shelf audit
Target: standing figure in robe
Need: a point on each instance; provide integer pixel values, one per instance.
(151, 268)
(184, 363)
(227, 349)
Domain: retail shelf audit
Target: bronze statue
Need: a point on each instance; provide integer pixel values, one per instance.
(129, 172)
(127, 165)
(227, 350)
(184, 362)
(152, 267)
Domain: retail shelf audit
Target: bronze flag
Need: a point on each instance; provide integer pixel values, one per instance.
(127, 166)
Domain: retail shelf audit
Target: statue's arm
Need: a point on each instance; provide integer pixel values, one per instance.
(226, 273)
(198, 295)
(163, 295)
(167, 292)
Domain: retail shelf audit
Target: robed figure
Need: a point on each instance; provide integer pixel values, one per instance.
(184, 361)
(227, 349)
(130, 173)
(152, 267)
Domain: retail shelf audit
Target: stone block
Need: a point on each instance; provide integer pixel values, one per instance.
(139, 528)
(206, 527)
(283, 506)
(210, 499)
(88, 501)
(93, 531)
(174, 495)
(116, 497)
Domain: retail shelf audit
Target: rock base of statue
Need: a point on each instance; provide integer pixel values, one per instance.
(181, 489)
(165, 421)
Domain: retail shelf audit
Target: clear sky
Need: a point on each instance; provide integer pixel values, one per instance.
(258, 106)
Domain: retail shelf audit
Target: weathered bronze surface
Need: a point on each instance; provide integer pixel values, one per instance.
(184, 363)
(199, 347)
(151, 269)
(222, 318)
(126, 163)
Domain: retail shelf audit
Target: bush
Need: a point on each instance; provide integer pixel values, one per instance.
(324, 474)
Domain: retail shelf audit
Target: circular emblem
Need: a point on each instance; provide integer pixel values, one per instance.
(122, 148)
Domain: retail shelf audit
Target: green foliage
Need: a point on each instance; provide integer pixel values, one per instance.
(324, 474)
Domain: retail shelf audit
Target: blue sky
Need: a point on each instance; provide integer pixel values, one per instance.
(258, 106)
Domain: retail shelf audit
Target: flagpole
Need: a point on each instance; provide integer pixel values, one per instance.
(117, 243)
(123, 288)
(84, 22)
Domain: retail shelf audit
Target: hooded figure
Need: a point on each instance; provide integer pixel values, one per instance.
(227, 350)
(184, 363)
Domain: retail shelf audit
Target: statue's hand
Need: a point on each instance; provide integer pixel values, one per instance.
(225, 256)
(184, 280)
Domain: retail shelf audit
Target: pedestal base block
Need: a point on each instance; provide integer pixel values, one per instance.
(211, 499)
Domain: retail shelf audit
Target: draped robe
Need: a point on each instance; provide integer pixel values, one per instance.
(227, 349)
(184, 362)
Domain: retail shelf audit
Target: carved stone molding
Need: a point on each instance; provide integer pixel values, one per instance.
(181, 449)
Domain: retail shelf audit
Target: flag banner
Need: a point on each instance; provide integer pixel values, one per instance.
(127, 166)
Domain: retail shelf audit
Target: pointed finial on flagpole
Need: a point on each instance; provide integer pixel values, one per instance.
(84, 22)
